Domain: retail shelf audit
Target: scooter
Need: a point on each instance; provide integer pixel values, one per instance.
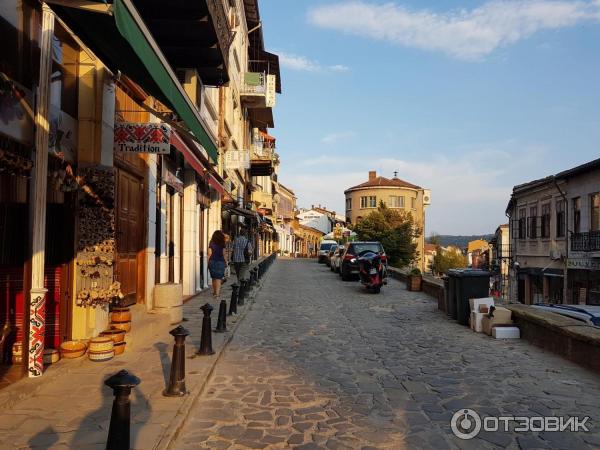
(372, 271)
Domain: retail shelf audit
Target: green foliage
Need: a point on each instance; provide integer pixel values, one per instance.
(444, 261)
(395, 229)
(415, 272)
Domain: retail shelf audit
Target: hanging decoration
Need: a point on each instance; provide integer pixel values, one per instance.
(96, 245)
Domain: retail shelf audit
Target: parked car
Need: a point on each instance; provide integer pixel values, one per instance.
(324, 250)
(336, 258)
(349, 263)
(589, 314)
(330, 253)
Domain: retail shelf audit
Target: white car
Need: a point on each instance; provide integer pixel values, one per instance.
(336, 259)
(589, 314)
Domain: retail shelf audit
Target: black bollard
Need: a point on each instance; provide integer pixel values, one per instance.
(120, 418)
(222, 319)
(242, 293)
(234, 299)
(176, 386)
(206, 338)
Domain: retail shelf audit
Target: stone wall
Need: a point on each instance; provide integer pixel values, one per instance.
(431, 285)
(566, 337)
(558, 334)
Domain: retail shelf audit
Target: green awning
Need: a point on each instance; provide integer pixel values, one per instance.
(123, 43)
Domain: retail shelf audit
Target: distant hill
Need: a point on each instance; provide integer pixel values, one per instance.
(461, 241)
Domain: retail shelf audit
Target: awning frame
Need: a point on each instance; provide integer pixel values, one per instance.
(141, 42)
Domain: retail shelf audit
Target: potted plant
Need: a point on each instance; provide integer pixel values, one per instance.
(415, 280)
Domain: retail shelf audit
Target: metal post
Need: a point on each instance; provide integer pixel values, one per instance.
(234, 299)
(222, 319)
(242, 293)
(206, 338)
(176, 386)
(120, 419)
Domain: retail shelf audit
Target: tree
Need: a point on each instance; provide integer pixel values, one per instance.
(443, 261)
(434, 239)
(395, 229)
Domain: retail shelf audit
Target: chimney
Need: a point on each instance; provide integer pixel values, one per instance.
(372, 175)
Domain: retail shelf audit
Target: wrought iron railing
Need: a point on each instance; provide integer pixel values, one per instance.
(585, 242)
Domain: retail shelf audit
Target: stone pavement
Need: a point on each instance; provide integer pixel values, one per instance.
(319, 363)
(69, 407)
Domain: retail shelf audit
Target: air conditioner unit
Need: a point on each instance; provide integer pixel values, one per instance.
(426, 197)
(192, 84)
(555, 255)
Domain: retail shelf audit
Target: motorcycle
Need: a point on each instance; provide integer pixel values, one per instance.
(372, 271)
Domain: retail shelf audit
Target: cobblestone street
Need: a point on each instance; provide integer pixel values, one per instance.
(319, 363)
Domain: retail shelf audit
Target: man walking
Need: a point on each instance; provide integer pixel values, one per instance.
(242, 251)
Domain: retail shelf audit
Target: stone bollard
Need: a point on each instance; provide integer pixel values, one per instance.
(222, 319)
(206, 338)
(234, 299)
(242, 293)
(176, 386)
(120, 418)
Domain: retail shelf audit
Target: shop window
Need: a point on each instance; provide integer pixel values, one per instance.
(595, 212)
(545, 226)
(560, 219)
(577, 215)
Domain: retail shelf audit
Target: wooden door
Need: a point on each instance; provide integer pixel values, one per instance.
(129, 223)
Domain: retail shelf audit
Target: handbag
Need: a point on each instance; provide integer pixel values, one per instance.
(247, 253)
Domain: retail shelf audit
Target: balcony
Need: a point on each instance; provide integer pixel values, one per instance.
(263, 200)
(585, 242)
(258, 90)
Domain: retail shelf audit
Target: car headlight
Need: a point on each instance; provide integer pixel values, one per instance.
(353, 260)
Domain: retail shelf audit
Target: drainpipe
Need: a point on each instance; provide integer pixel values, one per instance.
(565, 269)
(37, 294)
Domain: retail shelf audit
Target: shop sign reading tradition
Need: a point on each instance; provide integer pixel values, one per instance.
(142, 138)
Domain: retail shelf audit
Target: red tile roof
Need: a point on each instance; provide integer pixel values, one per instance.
(385, 182)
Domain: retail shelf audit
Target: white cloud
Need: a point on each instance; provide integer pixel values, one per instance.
(465, 34)
(470, 192)
(302, 63)
(336, 137)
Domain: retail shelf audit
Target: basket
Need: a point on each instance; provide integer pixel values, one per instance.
(119, 315)
(120, 347)
(72, 349)
(125, 326)
(51, 355)
(101, 356)
(101, 344)
(115, 334)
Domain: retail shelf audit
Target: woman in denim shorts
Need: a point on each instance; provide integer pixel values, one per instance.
(216, 261)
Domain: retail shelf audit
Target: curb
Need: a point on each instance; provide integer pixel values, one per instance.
(174, 427)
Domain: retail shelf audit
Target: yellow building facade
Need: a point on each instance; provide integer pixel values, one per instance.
(395, 193)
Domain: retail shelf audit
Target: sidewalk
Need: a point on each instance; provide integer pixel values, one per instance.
(69, 407)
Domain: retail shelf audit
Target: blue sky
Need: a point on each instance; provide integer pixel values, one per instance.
(467, 98)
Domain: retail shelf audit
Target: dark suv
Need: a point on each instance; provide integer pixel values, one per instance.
(349, 265)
